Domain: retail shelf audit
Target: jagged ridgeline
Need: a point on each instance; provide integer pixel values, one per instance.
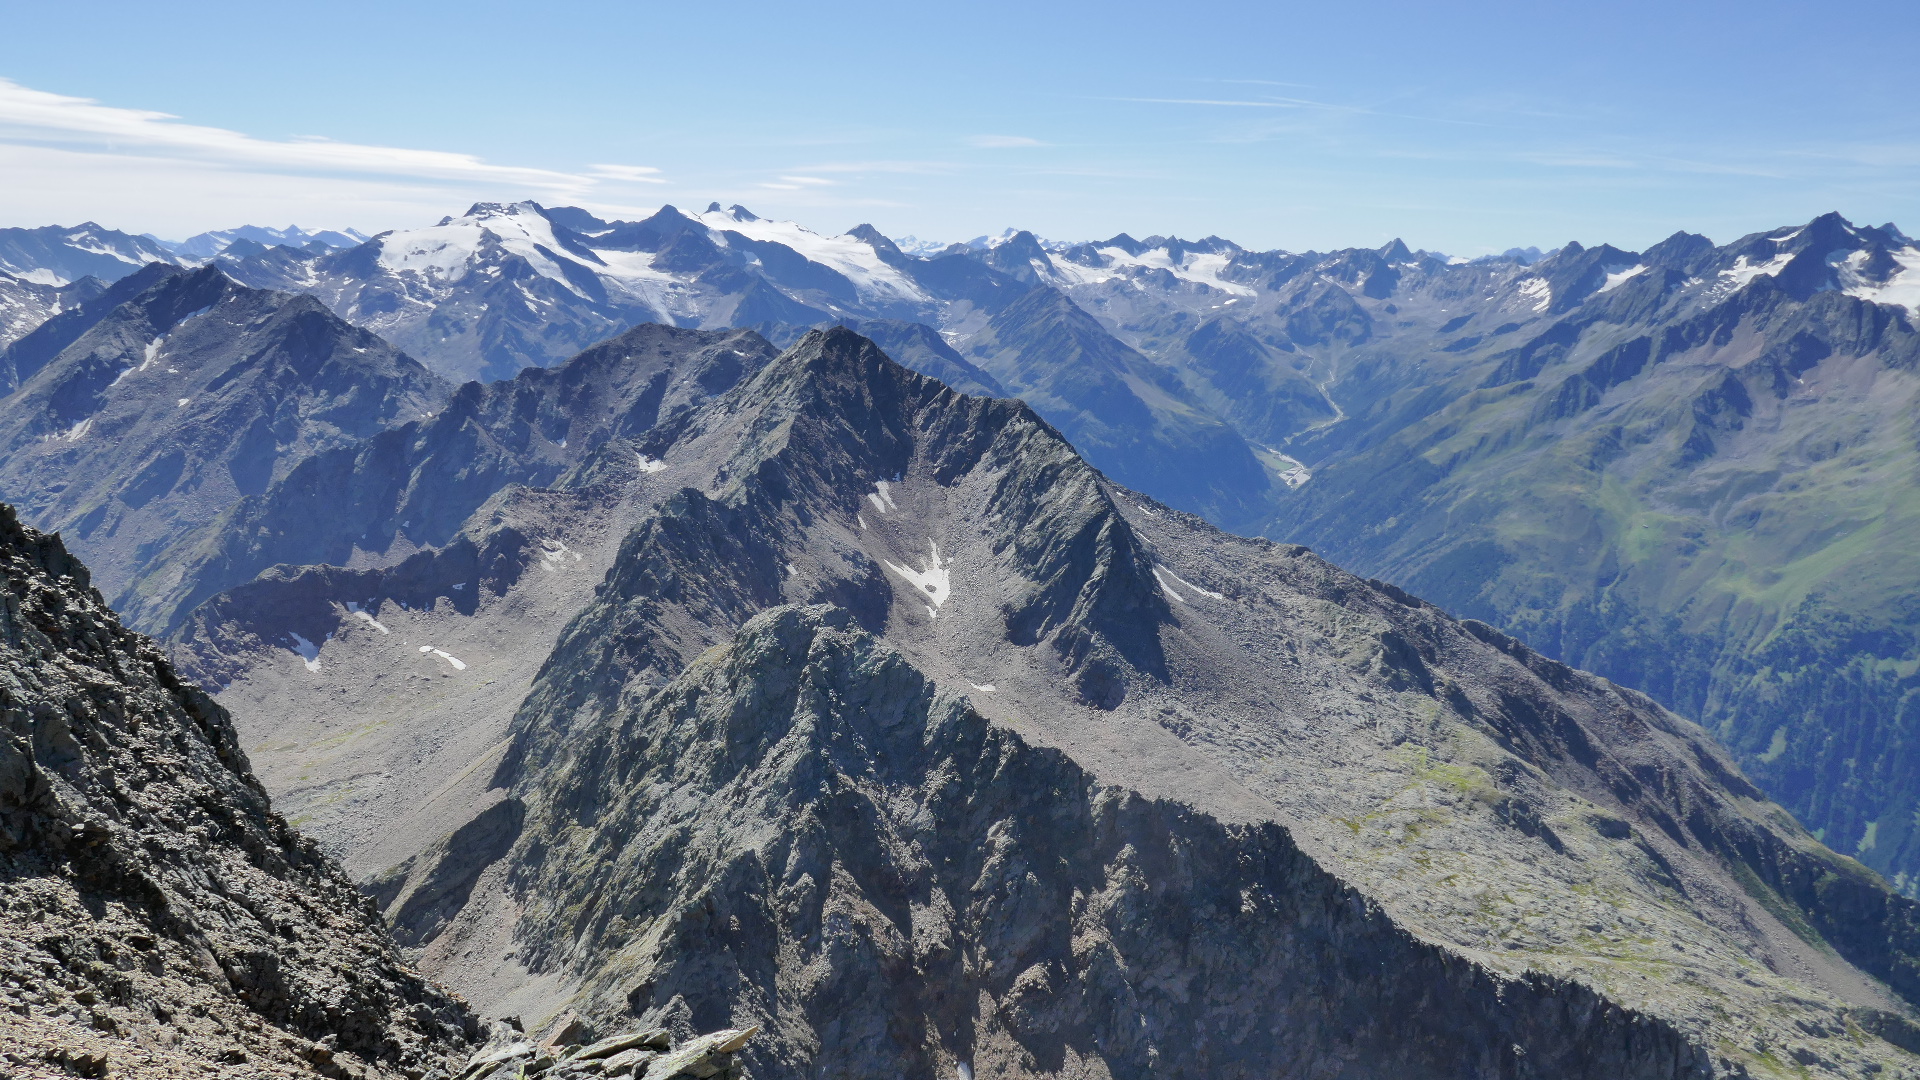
(896, 730)
(156, 917)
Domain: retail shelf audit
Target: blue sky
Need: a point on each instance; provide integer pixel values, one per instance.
(1462, 128)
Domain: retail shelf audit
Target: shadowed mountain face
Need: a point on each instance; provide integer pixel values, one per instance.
(1131, 417)
(148, 414)
(159, 919)
(377, 501)
(895, 727)
(25, 305)
(913, 891)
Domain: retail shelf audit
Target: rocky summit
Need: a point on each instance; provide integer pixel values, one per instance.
(893, 728)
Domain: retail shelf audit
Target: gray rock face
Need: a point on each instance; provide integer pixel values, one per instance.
(1532, 826)
(647, 1054)
(156, 917)
(811, 832)
(166, 408)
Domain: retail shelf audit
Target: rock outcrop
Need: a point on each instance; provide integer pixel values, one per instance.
(649, 1053)
(157, 918)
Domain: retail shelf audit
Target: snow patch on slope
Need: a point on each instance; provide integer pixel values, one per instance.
(1744, 271)
(1619, 278)
(933, 583)
(1902, 287)
(309, 652)
(447, 252)
(1537, 290)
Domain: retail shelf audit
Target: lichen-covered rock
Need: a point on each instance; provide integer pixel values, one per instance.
(156, 917)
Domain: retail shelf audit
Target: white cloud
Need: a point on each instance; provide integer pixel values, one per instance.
(632, 174)
(811, 181)
(68, 158)
(1002, 142)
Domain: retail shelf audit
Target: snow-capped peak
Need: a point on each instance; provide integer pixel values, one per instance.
(852, 257)
(915, 246)
(450, 250)
(994, 240)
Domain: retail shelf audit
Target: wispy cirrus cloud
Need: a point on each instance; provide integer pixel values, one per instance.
(1003, 142)
(627, 174)
(1301, 105)
(61, 154)
(36, 116)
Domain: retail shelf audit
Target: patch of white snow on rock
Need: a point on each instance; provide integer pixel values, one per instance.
(367, 618)
(1744, 271)
(933, 583)
(458, 664)
(1162, 575)
(1615, 280)
(309, 652)
(1902, 287)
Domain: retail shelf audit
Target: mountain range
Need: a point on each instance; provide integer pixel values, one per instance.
(630, 683)
(679, 723)
(208, 244)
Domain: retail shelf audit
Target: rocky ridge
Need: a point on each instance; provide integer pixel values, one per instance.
(156, 917)
(1521, 819)
(831, 844)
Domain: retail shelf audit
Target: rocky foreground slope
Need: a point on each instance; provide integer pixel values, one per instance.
(897, 730)
(157, 919)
